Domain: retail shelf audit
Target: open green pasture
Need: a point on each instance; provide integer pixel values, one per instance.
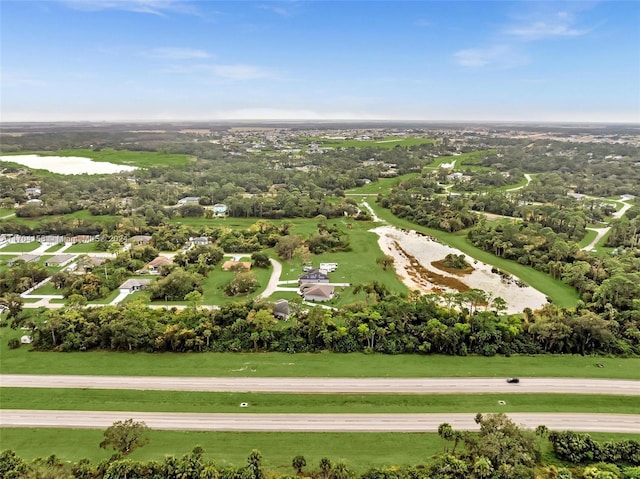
(20, 247)
(387, 142)
(26, 361)
(6, 211)
(223, 402)
(560, 293)
(228, 222)
(84, 215)
(360, 451)
(356, 266)
(141, 159)
(214, 283)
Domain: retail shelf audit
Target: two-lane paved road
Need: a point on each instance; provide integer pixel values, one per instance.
(331, 385)
(621, 423)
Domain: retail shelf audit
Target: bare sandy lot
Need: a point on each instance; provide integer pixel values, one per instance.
(66, 165)
(414, 253)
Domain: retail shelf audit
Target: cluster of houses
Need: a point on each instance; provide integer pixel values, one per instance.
(219, 209)
(314, 283)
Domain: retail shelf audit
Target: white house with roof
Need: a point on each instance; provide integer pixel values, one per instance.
(132, 285)
(189, 200)
(317, 292)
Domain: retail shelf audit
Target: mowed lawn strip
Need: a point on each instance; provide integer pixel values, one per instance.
(360, 451)
(217, 402)
(25, 361)
(560, 293)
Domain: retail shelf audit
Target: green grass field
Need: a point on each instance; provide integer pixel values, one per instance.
(360, 451)
(588, 238)
(55, 248)
(83, 248)
(213, 402)
(47, 289)
(6, 211)
(20, 247)
(141, 159)
(78, 215)
(387, 142)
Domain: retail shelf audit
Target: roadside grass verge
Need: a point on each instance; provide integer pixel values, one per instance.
(25, 361)
(360, 451)
(588, 238)
(55, 248)
(266, 403)
(20, 247)
(90, 247)
(47, 289)
(560, 293)
(600, 245)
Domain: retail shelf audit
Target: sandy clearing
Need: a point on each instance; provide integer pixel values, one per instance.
(400, 244)
(66, 165)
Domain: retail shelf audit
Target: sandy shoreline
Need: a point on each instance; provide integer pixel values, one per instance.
(404, 245)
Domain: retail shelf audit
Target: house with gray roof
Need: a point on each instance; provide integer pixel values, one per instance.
(134, 284)
(59, 260)
(314, 276)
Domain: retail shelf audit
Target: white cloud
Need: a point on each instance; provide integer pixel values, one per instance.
(282, 8)
(154, 7)
(175, 53)
(497, 56)
(556, 25)
(234, 72)
(240, 72)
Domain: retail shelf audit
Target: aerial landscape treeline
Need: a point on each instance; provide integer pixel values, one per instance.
(388, 324)
(550, 209)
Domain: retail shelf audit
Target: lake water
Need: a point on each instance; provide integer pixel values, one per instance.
(66, 165)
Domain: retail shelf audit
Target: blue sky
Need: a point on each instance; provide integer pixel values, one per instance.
(421, 60)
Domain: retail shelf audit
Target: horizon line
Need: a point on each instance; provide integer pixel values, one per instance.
(325, 120)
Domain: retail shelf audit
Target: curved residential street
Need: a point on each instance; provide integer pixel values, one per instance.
(622, 423)
(331, 385)
(274, 279)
